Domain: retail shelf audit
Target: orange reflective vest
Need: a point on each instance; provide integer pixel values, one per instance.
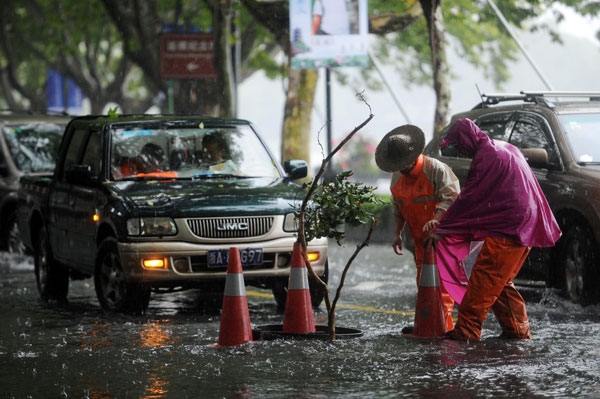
(414, 195)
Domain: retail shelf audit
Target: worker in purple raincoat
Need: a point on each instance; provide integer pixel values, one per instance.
(502, 204)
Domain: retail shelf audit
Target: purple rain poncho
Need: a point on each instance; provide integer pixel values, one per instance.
(501, 196)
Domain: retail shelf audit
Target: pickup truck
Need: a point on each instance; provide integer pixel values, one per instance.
(150, 204)
(28, 145)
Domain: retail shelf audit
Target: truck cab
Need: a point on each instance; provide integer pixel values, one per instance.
(153, 203)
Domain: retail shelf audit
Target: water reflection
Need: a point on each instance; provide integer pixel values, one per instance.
(97, 337)
(158, 384)
(156, 335)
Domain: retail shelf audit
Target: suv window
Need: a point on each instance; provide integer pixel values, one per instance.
(93, 153)
(529, 133)
(496, 126)
(581, 131)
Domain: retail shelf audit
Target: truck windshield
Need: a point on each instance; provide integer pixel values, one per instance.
(34, 146)
(583, 134)
(189, 152)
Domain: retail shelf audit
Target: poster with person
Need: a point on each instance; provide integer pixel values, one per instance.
(326, 33)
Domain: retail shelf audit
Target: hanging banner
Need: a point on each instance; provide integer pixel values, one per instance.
(327, 33)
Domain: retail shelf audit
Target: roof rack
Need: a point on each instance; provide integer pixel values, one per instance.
(538, 97)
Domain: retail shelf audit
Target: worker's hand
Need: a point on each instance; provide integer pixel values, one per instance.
(432, 240)
(397, 245)
(431, 225)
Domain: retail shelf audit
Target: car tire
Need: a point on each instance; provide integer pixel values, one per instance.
(52, 278)
(113, 292)
(578, 257)
(14, 243)
(316, 294)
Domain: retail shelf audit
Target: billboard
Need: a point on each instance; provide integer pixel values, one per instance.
(326, 33)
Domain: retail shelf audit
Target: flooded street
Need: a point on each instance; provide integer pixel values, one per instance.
(75, 350)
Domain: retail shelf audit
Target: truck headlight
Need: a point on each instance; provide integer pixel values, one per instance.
(290, 222)
(150, 226)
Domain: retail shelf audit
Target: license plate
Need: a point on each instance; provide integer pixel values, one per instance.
(248, 256)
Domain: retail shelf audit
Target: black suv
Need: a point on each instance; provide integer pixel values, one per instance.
(559, 134)
(28, 145)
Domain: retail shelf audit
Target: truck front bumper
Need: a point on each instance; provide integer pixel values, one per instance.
(186, 263)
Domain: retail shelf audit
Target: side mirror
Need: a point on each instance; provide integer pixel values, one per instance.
(295, 168)
(79, 174)
(537, 157)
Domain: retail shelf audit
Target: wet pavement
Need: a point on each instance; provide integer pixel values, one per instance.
(75, 350)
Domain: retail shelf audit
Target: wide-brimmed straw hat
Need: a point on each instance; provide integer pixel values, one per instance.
(398, 149)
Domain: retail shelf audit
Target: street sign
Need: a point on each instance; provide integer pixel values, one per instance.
(186, 56)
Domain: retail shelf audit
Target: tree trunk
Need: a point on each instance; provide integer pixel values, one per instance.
(296, 134)
(432, 10)
(7, 94)
(196, 96)
(222, 17)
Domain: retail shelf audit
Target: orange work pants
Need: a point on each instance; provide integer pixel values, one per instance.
(491, 287)
(447, 301)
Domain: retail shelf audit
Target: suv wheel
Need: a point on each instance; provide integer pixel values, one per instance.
(52, 279)
(113, 292)
(316, 294)
(578, 257)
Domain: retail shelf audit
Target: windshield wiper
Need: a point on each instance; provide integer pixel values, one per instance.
(220, 176)
(146, 178)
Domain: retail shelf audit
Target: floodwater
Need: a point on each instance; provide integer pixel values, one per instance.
(75, 350)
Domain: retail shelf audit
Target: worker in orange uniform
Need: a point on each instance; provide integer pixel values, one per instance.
(422, 189)
(502, 204)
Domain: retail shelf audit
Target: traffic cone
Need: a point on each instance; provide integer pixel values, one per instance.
(235, 318)
(298, 317)
(429, 313)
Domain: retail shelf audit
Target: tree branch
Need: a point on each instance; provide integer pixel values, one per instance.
(308, 196)
(365, 243)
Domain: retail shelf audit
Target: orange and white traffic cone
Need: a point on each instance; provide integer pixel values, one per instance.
(298, 317)
(235, 318)
(430, 321)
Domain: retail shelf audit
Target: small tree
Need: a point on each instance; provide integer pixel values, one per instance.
(327, 206)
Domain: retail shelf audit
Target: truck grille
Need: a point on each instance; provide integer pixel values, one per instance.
(231, 227)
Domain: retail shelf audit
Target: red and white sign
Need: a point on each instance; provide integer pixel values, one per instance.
(186, 56)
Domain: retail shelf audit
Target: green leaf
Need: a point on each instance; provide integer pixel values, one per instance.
(113, 112)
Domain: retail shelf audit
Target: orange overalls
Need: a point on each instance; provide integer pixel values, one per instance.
(491, 286)
(414, 195)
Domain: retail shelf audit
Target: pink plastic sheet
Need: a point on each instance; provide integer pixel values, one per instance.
(456, 256)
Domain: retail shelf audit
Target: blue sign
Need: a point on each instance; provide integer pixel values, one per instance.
(54, 94)
(60, 98)
(74, 98)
